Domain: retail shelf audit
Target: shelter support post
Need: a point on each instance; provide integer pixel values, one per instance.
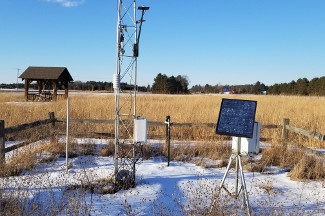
(55, 90)
(26, 89)
(39, 86)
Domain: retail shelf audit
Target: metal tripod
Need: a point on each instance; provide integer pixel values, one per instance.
(236, 156)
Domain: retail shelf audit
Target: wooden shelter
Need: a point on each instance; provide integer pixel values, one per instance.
(46, 77)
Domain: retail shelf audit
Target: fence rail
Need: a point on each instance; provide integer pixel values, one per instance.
(26, 126)
(286, 127)
(307, 133)
(311, 134)
(94, 121)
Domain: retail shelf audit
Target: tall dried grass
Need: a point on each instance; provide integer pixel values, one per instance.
(303, 112)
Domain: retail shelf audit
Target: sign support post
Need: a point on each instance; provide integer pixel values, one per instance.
(168, 124)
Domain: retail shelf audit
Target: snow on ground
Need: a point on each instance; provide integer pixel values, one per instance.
(160, 190)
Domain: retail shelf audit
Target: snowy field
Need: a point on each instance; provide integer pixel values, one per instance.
(161, 190)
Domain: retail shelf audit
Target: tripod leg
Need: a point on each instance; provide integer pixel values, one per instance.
(236, 176)
(244, 186)
(222, 182)
(227, 170)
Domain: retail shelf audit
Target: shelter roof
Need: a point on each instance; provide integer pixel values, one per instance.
(47, 73)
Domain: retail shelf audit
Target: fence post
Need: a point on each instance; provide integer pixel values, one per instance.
(2, 144)
(52, 126)
(167, 122)
(284, 129)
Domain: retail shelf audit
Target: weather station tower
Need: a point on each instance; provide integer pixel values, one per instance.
(130, 130)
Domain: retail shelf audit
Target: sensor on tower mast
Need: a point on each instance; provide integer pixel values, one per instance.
(127, 148)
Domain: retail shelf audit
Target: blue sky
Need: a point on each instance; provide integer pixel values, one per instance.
(211, 42)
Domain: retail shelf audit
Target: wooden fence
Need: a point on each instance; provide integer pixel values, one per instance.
(19, 128)
(286, 127)
(311, 134)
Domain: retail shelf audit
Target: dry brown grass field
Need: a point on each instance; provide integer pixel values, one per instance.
(303, 112)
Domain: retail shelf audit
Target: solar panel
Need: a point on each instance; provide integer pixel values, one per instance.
(236, 118)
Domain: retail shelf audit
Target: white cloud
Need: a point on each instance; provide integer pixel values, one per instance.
(68, 3)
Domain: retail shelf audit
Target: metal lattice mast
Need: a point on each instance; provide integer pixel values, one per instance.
(125, 88)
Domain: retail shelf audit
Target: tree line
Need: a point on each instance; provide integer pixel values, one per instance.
(257, 88)
(180, 85)
(170, 85)
(82, 86)
(102, 86)
(314, 87)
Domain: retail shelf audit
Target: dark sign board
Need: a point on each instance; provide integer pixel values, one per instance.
(236, 118)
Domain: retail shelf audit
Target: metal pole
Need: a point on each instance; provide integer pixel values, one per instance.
(116, 132)
(135, 60)
(134, 161)
(18, 69)
(67, 137)
(2, 144)
(237, 165)
(167, 122)
(117, 90)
